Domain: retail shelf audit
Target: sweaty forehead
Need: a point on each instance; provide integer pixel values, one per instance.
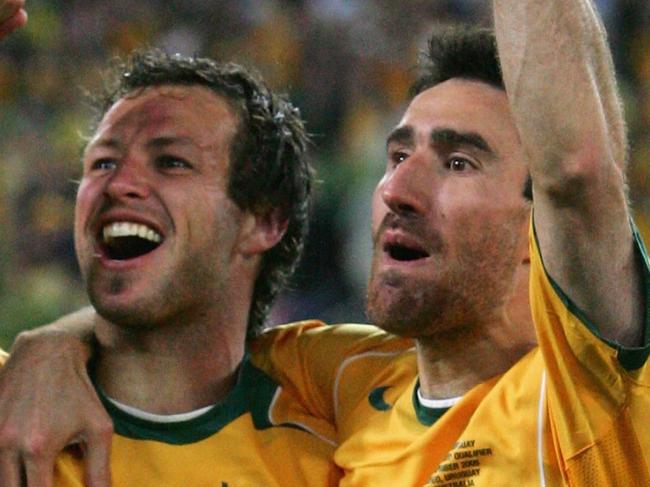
(191, 111)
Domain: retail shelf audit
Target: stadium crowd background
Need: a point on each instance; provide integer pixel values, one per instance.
(346, 63)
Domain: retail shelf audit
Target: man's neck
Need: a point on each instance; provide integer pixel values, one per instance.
(451, 363)
(170, 369)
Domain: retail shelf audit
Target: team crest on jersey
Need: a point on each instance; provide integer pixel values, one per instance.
(377, 400)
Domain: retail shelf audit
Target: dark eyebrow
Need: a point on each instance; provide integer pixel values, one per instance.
(404, 135)
(455, 138)
(156, 143)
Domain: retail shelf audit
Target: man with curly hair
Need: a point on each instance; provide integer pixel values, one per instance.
(191, 212)
(477, 402)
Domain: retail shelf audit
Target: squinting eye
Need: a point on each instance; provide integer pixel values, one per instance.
(104, 164)
(170, 162)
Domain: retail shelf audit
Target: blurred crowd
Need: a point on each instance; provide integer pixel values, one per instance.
(346, 63)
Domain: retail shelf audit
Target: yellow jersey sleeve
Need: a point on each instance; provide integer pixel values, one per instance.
(598, 392)
(308, 358)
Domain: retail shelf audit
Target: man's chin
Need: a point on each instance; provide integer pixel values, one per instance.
(412, 309)
(386, 318)
(119, 309)
(117, 315)
(394, 310)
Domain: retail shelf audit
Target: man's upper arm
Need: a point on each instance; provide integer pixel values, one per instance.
(562, 91)
(307, 357)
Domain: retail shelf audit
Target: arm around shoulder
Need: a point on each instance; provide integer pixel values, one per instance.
(47, 401)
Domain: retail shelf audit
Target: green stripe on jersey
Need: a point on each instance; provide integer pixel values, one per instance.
(252, 395)
(630, 358)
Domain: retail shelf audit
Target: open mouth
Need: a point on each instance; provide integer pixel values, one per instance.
(128, 240)
(403, 253)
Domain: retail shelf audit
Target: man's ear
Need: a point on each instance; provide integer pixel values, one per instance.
(261, 232)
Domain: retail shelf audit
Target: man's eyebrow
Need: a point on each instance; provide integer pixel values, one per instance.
(453, 137)
(405, 135)
(107, 143)
(156, 143)
(167, 140)
(101, 143)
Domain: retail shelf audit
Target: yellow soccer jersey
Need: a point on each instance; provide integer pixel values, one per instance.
(258, 437)
(573, 411)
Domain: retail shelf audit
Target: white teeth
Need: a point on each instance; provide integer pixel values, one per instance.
(129, 229)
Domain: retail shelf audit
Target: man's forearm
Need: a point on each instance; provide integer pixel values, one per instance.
(561, 87)
(75, 330)
(47, 401)
(560, 81)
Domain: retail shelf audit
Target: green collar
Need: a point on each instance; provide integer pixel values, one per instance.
(252, 395)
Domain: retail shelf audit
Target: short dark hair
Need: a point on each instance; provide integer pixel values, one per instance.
(459, 52)
(466, 52)
(269, 169)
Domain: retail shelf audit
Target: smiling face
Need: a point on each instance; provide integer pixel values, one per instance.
(156, 233)
(449, 218)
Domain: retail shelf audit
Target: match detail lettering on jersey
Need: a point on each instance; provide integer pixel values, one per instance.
(461, 466)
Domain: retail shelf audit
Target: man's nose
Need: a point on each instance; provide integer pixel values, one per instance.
(128, 180)
(407, 189)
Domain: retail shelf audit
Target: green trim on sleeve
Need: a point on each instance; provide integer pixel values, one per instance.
(630, 358)
(253, 394)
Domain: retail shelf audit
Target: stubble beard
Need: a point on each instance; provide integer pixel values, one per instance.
(416, 308)
(172, 296)
(137, 313)
(469, 288)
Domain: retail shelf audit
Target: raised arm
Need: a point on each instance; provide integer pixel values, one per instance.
(562, 91)
(47, 402)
